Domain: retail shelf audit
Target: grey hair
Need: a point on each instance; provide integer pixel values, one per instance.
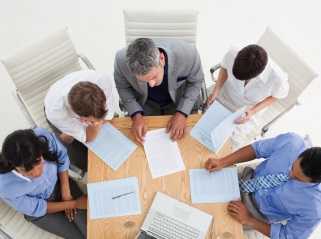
(142, 55)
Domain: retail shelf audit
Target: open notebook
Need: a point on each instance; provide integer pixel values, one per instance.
(215, 126)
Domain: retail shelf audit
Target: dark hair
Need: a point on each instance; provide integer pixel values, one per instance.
(311, 163)
(87, 99)
(22, 148)
(249, 62)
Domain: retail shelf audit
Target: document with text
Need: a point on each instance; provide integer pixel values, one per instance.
(214, 187)
(114, 198)
(163, 154)
(215, 126)
(112, 146)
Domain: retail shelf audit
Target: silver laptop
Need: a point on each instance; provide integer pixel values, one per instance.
(170, 219)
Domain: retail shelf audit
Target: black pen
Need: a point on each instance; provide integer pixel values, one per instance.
(121, 195)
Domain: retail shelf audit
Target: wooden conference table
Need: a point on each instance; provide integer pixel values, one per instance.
(175, 185)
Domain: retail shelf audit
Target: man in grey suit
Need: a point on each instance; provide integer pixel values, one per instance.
(158, 77)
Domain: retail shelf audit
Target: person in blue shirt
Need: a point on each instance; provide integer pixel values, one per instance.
(34, 180)
(285, 188)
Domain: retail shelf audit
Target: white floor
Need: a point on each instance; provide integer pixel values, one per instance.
(97, 30)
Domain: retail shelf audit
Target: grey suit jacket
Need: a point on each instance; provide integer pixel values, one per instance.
(185, 76)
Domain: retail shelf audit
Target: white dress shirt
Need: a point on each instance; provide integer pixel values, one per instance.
(273, 81)
(58, 110)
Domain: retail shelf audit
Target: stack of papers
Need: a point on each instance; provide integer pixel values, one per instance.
(215, 126)
(112, 146)
(162, 154)
(216, 187)
(114, 198)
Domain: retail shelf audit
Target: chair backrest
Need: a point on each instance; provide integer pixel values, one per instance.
(161, 24)
(299, 73)
(14, 226)
(35, 68)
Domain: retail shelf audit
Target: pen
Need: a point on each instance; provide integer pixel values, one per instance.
(121, 195)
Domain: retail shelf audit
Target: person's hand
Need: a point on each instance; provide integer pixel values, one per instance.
(246, 116)
(213, 164)
(81, 202)
(69, 212)
(139, 128)
(92, 122)
(98, 123)
(211, 98)
(176, 126)
(239, 212)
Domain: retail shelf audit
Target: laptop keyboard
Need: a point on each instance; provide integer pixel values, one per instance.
(164, 227)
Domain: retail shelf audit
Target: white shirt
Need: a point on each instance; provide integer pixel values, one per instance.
(273, 81)
(58, 110)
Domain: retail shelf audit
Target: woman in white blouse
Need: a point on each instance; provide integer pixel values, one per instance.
(248, 77)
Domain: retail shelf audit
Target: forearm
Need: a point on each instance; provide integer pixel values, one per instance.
(222, 76)
(260, 226)
(64, 184)
(53, 207)
(263, 104)
(92, 132)
(242, 155)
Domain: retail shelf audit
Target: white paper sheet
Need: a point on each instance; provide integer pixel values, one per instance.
(224, 130)
(216, 187)
(215, 126)
(162, 153)
(112, 146)
(114, 198)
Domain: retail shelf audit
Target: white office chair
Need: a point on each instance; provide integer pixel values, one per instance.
(35, 68)
(299, 73)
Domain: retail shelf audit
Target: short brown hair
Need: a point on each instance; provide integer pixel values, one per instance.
(249, 62)
(87, 99)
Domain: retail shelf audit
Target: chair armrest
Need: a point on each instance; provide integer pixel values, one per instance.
(213, 69)
(267, 126)
(75, 172)
(123, 109)
(26, 108)
(86, 61)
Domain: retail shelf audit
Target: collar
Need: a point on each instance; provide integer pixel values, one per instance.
(161, 50)
(21, 176)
